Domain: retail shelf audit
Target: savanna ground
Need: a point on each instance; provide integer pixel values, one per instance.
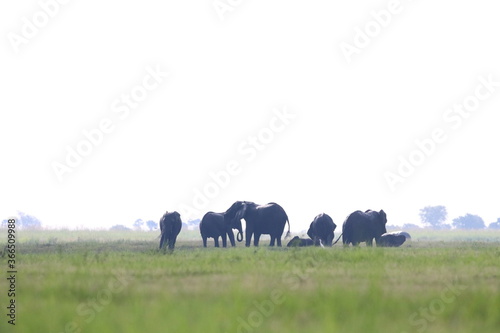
(103, 281)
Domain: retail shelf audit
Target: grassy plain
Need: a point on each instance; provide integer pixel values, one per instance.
(102, 281)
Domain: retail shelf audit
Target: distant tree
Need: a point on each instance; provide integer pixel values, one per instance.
(410, 226)
(191, 224)
(495, 225)
(151, 225)
(392, 227)
(138, 224)
(194, 222)
(119, 227)
(433, 216)
(468, 221)
(28, 221)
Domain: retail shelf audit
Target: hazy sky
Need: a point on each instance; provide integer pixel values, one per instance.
(125, 109)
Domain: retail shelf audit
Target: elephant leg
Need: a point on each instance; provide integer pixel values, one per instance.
(278, 241)
(231, 238)
(256, 239)
(369, 242)
(216, 241)
(224, 240)
(161, 241)
(273, 239)
(165, 240)
(171, 243)
(204, 241)
(248, 236)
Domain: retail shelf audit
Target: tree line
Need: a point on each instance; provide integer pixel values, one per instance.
(433, 217)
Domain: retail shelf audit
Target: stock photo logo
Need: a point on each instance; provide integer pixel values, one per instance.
(259, 312)
(31, 27)
(121, 106)
(222, 7)
(425, 315)
(247, 151)
(379, 20)
(453, 118)
(87, 311)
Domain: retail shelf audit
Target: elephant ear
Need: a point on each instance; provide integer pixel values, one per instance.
(383, 216)
(310, 232)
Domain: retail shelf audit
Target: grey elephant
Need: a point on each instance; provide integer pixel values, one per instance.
(213, 225)
(364, 227)
(393, 239)
(170, 226)
(296, 241)
(269, 219)
(404, 233)
(321, 230)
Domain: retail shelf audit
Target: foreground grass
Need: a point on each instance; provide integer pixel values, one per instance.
(126, 285)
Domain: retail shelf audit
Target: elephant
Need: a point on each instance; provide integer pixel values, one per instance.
(394, 239)
(391, 240)
(296, 241)
(269, 219)
(321, 230)
(404, 233)
(170, 226)
(214, 225)
(364, 227)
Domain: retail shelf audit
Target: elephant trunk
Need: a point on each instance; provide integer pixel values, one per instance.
(329, 240)
(337, 239)
(239, 236)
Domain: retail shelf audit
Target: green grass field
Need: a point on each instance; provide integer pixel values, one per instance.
(88, 281)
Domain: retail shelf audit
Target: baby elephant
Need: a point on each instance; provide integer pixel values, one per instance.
(296, 241)
(392, 239)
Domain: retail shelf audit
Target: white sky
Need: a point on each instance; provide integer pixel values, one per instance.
(352, 120)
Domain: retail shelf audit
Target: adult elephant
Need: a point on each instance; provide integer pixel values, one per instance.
(321, 230)
(170, 226)
(214, 225)
(269, 219)
(364, 227)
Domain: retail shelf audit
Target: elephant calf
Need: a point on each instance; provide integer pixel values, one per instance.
(391, 239)
(296, 241)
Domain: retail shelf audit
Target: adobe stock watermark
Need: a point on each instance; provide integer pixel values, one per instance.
(87, 311)
(425, 315)
(222, 7)
(378, 21)
(420, 319)
(260, 311)
(453, 118)
(247, 151)
(30, 27)
(121, 106)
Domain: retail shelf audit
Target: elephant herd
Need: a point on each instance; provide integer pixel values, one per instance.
(270, 219)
